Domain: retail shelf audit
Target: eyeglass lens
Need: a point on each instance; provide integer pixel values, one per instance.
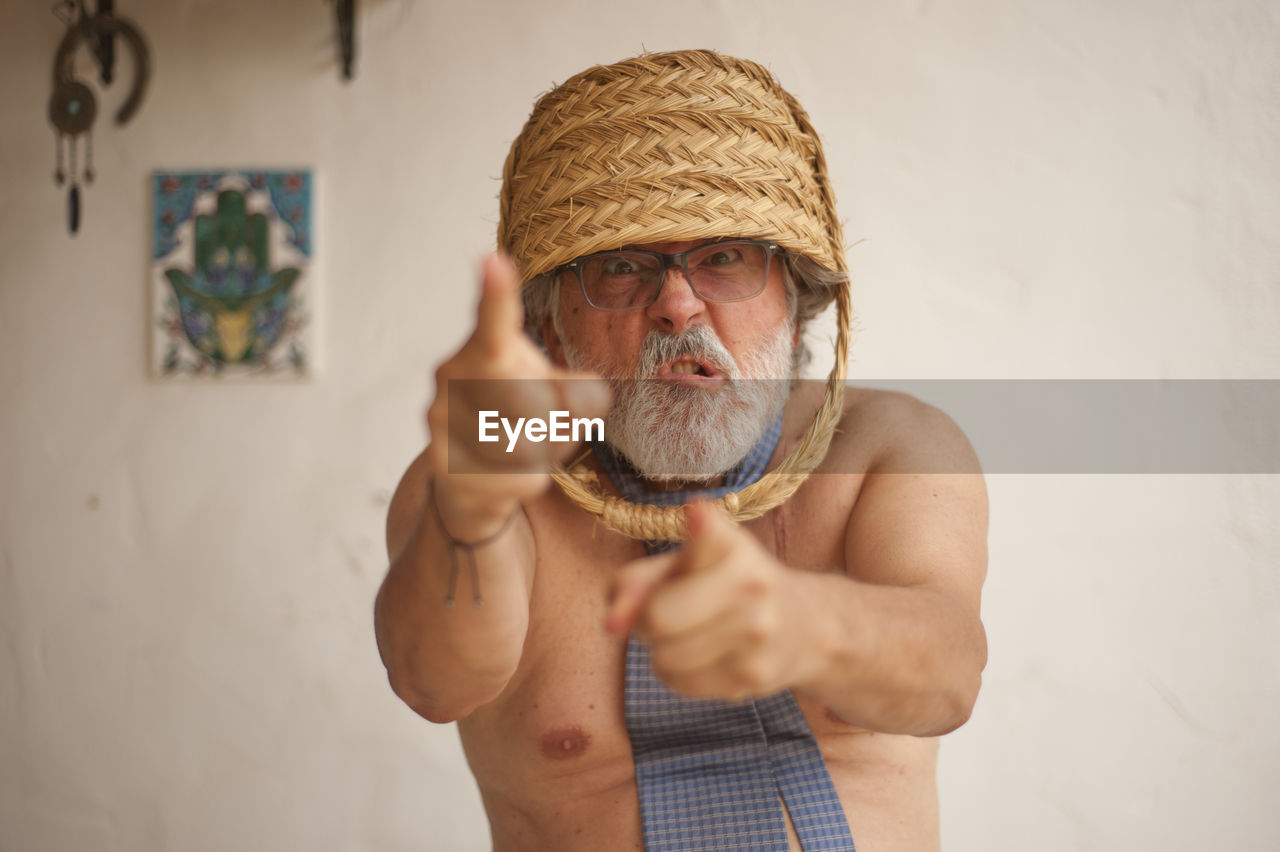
(718, 272)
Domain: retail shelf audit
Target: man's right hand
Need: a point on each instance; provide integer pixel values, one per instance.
(479, 485)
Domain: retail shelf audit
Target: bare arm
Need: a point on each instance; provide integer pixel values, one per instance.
(904, 641)
(895, 645)
(443, 659)
(451, 637)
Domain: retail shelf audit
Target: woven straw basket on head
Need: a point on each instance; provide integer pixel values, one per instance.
(670, 147)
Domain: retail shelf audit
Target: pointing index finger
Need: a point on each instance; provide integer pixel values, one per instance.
(706, 520)
(500, 315)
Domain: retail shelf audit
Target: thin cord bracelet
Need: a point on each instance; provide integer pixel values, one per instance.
(468, 547)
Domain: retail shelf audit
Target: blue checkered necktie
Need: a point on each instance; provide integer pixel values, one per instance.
(710, 773)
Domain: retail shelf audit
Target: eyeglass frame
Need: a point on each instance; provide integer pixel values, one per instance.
(679, 260)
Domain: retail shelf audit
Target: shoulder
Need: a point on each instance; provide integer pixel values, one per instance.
(889, 484)
(921, 514)
(881, 431)
(894, 432)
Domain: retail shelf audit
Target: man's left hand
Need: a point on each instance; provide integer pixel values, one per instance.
(723, 618)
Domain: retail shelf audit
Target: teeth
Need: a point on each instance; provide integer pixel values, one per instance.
(683, 367)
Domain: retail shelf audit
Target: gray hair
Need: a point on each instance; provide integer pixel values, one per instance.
(811, 287)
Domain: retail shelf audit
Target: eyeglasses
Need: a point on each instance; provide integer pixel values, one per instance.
(726, 271)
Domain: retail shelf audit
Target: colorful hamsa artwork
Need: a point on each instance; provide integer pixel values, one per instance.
(231, 274)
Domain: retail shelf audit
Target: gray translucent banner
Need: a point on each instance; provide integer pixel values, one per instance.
(1075, 426)
(1112, 426)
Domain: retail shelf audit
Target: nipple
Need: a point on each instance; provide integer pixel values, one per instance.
(565, 743)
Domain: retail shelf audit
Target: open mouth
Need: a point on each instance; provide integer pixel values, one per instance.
(688, 369)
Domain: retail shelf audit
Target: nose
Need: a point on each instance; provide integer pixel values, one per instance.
(677, 308)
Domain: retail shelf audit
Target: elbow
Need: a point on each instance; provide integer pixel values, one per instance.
(957, 708)
(408, 680)
(949, 710)
(959, 699)
(427, 706)
(442, 698)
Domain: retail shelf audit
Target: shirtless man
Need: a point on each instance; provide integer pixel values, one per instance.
(859, 594)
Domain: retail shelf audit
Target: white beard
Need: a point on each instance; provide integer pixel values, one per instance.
(670, 431)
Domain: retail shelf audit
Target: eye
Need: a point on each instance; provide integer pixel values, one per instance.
(722, 257)
(618, 265)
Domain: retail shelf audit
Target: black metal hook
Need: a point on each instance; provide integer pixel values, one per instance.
(346, 14)
(104, 46)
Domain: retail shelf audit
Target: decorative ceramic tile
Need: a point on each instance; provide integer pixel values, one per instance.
(232, 275)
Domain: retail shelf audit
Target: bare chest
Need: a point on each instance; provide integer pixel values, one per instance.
(559, 728)
(551, 755)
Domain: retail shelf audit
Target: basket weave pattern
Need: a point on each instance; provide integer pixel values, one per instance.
(664, 147)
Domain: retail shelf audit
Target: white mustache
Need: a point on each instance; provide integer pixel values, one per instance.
(699, 342)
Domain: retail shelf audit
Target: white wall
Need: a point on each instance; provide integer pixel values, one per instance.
(1048, 189)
